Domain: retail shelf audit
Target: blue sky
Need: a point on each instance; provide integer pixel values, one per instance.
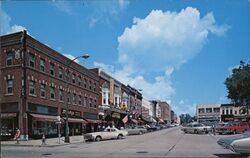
(180, 51)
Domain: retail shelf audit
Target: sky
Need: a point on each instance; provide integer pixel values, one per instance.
(179, 51)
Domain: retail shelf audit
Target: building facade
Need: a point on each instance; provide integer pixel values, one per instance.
(231, 112)
(208, 113)
(34, 85)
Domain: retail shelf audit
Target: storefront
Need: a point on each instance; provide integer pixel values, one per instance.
(93, 124)
(76, 123)
(9, 120)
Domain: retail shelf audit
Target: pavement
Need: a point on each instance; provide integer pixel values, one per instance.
(48, 142)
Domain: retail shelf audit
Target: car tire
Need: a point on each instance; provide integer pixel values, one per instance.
(195, 132)
(140, 133)
(98, 138)
(244, 154)
(119, 136)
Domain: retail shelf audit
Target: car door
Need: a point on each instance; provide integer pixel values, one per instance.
(113, 133)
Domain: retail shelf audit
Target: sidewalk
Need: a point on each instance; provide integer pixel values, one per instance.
(50, 142)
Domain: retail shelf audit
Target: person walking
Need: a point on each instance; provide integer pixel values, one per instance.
(17, 135)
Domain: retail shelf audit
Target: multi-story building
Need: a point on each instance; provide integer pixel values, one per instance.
(34, 83)
(147, 111)
(231, 112)
(208, 113)
(165, 112)
(174, 117)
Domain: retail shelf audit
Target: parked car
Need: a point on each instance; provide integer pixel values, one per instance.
(136, 130)
(196, 128)
(238, 143)
(233, 128)
(108, 133)
(151, 128)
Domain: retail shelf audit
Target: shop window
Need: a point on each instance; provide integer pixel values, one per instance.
(60, 95)
(9, 86)
(52, 93)
(32, 60)
(208, 110)
(79, 81)
(9, 59)
(74, 99)
(52, 69)
(32, 88)
(42, 90)
(73, 78)
(80, 100)
(42, 65)
(60, 73)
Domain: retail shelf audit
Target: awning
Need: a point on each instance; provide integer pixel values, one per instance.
(146, 119)
(93, 121)
(161, 120)
(140, 121)
(45, 117)
(76, 120)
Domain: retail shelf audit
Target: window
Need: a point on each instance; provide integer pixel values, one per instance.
(42, 65)
(52, 69)
(201, 110)
(227, 111)
(42, 90)
(60, 95)
(235, 112)
(208, 110)
(32, 88)
(85, 101)
(52, 93)
(85, 83)
(73, 78)
(9, 89)
(223, 112)
(94, 87)
(231, 111)
(60, 73)
(68, 100)
(90, 85)
(94, 103)
(79, 81)
(90, 102)
(74, 99)
(216, 110)
(80, 100)
(67, 76)
(32, 60)
(9, 59)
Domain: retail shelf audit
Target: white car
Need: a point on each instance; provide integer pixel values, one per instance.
(196, 128)
(108, 133)
(238, 143)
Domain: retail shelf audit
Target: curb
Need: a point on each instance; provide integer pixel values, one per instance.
(46, 145)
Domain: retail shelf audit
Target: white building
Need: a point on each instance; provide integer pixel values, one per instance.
(208, 113)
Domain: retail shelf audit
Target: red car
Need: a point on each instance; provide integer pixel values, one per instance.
(234, 127)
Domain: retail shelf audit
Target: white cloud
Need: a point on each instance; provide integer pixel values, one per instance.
(166, 39)
(63, 6)
(71, 57)
(5, 27)
(105, 11)
(230, 68)
(158, 45)
(104, 67)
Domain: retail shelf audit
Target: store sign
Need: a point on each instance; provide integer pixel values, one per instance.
(8, 115)
(71, 113)
(116, 115)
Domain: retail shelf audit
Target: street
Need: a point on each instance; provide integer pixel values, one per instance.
(164, 143)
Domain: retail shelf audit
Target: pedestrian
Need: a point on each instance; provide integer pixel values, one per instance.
(17, 135)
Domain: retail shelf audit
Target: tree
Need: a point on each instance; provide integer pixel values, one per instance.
(238, 85)
(185, 118)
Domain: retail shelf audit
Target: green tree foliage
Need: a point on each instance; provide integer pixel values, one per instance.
(185, 118)
(238, 85)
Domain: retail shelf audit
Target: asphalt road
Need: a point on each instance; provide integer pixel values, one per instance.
(165, 143)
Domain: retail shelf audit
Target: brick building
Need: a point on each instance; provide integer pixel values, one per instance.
(33, 89)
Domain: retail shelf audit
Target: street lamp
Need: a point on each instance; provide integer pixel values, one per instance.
(85, 56)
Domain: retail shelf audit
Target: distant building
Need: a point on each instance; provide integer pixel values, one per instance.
(231, 112)
(208, 113)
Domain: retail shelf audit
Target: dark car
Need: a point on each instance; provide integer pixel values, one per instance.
(151, 128)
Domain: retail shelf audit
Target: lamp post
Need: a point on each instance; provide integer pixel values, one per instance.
(85, 56)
